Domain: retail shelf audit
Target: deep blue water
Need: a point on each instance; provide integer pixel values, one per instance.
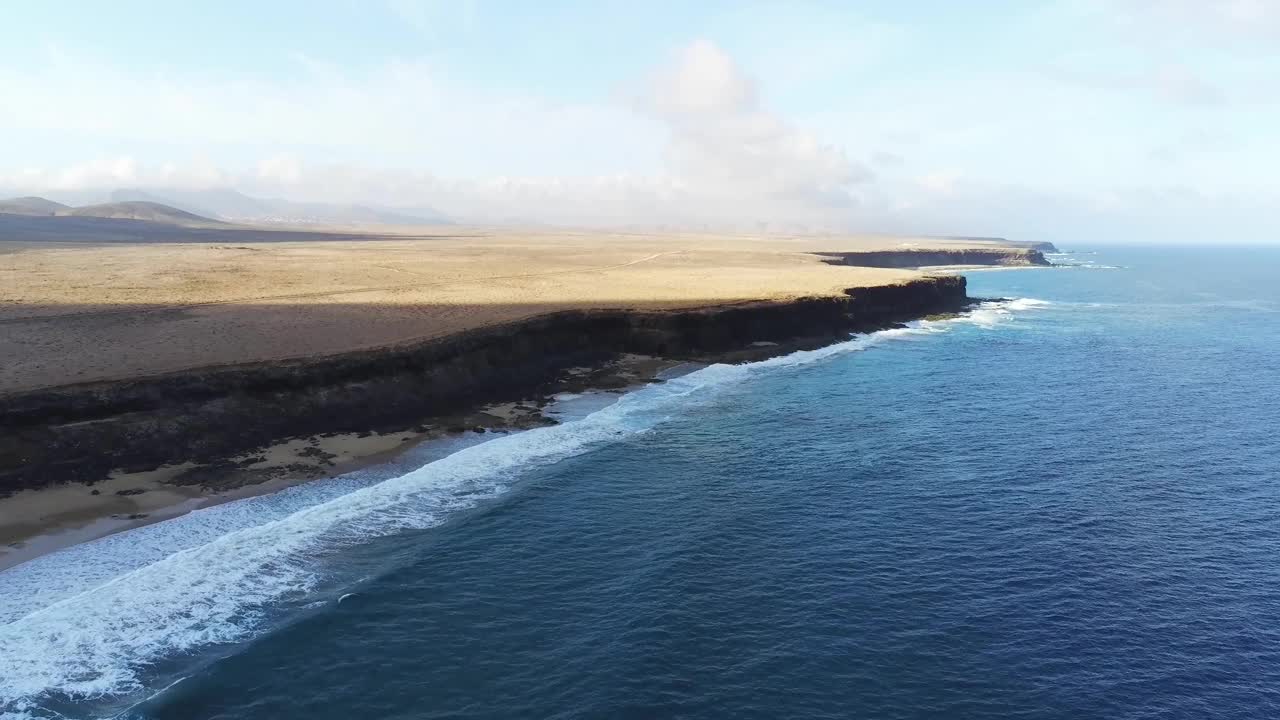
(1062, 509)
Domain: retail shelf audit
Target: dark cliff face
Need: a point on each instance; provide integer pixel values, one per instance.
(81, 433)
(908, 258)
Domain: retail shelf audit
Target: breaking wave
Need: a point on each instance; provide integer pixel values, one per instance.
(90, 622)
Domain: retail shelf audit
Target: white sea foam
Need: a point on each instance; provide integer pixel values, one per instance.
(1022, 304)
(991, 314)
(87, 622)
(1078, 261)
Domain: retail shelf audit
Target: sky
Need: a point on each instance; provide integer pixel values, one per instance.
(1077, 121)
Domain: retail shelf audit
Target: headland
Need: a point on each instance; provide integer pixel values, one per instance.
(153, 377)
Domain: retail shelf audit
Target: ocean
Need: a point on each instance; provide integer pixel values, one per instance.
(1065, 504)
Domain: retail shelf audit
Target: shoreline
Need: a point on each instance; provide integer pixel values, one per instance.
(150, 450)
(42, 521)
(146, 497)
(83, 433)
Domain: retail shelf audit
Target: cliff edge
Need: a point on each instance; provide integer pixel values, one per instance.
(80, 433)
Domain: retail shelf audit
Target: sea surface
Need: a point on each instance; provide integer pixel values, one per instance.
(1064, 505)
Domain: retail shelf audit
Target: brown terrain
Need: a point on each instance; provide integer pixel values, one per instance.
(79, 313)
(148, 368)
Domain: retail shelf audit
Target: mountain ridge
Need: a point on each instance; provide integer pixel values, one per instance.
(31, 205)
(234, 206)
(34, 206)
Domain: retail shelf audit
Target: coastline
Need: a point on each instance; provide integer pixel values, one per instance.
(315, 420)
(52, 518)
(40, 521)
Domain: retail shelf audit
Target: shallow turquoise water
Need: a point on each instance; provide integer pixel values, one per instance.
(1063, 506)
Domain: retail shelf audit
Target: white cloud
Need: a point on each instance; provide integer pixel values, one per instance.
(725, 142)
(404, 112)
(280, 170)
(939, 182)
(696, 141)
(727, 157)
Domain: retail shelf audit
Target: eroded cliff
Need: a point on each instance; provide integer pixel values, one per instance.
(82, 432)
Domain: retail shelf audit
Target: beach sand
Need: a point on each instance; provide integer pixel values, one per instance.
(41, 521)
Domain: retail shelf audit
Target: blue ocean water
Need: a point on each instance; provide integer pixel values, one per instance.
(1066, 505)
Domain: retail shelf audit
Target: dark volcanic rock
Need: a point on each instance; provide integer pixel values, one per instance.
(82, 432)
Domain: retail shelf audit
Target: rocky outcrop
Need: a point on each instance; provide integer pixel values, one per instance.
(1042, 246)
(82, 432)
(914, 258)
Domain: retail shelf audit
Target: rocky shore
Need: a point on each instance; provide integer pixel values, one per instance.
(82, 433)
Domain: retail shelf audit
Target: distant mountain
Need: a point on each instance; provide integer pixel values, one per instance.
(140, 210)
(235, 206)
(31, 206)
(224, 204)
(133, 210)
(333, 214)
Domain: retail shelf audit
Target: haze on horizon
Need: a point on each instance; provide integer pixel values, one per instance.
(1072, 121)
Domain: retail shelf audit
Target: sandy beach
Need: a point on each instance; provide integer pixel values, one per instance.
(40, 521)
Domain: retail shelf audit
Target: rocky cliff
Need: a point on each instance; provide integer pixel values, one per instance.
(82, 432)
(912, 258)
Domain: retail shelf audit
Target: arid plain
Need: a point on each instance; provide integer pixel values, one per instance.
(82, 311)
(91, 304)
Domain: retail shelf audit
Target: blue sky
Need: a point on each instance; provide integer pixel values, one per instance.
(1094, 120)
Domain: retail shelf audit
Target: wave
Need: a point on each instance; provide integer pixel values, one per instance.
(89, 622)
(1075, 260)
(991, 314)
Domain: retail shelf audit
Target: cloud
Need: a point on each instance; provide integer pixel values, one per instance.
(696, 141)
(697, 146)
(886, 159)
(949, 203)
(397, 112)
(938, 203)
(723, 141)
